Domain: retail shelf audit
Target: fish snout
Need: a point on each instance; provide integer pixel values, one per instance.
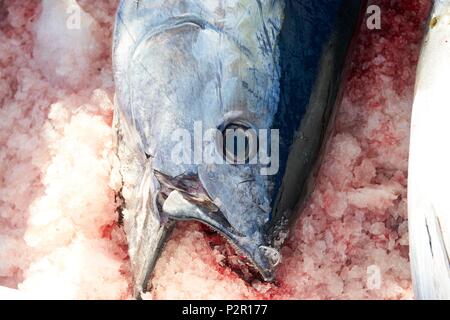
(266, 259)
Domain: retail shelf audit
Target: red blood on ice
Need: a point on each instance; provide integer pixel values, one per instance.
(106, 230)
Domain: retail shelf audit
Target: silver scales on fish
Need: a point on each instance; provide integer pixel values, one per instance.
(222, 111)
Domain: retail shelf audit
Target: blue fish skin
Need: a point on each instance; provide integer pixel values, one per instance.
(272, 67)
(315, 46)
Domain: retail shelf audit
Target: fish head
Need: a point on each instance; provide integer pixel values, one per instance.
(202, 108)
(192, 77)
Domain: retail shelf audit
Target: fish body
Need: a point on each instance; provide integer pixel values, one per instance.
(222, 110)
(428, 205)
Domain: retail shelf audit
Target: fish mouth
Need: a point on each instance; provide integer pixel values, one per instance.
(183, 198)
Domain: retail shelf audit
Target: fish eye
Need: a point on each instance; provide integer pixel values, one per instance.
(238, 143)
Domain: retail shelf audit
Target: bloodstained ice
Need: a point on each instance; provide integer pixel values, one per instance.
(59, 234)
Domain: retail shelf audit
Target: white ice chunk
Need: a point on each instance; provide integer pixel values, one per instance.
(66, 42)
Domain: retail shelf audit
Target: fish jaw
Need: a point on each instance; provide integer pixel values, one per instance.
(146, 232)
(144, 257)
(253, 247)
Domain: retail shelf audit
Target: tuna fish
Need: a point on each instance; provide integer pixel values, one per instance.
(222, 110)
